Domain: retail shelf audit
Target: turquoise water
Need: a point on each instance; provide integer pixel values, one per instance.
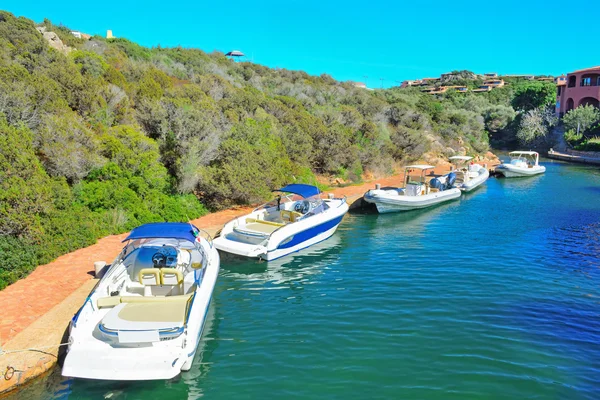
(494, 296)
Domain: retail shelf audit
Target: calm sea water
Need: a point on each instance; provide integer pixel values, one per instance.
(494, 296)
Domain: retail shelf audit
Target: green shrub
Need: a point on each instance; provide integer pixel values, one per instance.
(581, 118)
(18, 257)
(251, 163)
(592, 144)
(115, 134)
(572, 137)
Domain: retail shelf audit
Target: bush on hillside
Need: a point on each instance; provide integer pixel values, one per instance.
(115, 134)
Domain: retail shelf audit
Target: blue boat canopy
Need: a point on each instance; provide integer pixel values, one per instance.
(165, 230)
(300, 189)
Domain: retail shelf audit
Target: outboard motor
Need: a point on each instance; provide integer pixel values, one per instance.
(436, 184)
(450, 180)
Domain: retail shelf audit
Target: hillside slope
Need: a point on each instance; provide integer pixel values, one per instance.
(107, 135)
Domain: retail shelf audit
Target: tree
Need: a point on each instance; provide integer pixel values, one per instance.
(536, 124)
(67, 147)
(534, 94)
(581, 118)
(250, 163)
(498, 117)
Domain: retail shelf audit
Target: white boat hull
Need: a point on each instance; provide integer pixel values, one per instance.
(475, 182)
(285, 240)
(91, 357)
(388, 201)
(511, 171)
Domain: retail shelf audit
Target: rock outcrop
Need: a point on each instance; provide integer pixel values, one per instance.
(54, 41)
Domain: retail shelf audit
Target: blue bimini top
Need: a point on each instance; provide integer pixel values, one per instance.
(300, 189)
(165, 230)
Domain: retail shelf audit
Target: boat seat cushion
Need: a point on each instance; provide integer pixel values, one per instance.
(289, 216)
(256, 227)
(146, 316)
(112, 301)
(171, 276)
(149, 276)
(261, 221)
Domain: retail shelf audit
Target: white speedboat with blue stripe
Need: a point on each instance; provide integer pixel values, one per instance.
(287, 224)
(145, 317)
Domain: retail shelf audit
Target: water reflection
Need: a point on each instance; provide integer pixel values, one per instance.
(295, 267)
(203, 358)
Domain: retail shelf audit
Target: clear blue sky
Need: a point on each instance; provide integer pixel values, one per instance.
(394, 40)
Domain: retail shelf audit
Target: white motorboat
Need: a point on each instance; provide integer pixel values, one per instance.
(283, 226)
(522, 163)
(145, 317)
(417, 192)
(468, 177)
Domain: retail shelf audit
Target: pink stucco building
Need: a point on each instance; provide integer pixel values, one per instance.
(581, 87)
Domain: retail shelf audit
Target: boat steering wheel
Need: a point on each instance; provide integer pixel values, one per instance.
(302, 207)
(159, 260)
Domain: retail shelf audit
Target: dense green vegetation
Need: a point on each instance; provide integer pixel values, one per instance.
(582, 128)
(112, 135)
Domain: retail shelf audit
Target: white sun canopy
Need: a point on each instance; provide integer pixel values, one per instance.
(419, 166)
(527, 153)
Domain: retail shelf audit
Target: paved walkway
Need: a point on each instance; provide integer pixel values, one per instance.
(580, 158)
(35, 311)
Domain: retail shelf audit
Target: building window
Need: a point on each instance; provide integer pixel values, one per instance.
(560, 87)
(572, 81)
(587, 81)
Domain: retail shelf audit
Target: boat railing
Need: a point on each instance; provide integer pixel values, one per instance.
(206, 236)
(188, 308)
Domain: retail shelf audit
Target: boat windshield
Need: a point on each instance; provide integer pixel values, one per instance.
(135, 250)
(313, 205)
(306, 206)
(522, 161)
(526, 157)
(414, 176)
(279, 200)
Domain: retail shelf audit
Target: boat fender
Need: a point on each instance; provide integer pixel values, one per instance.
(436, 184)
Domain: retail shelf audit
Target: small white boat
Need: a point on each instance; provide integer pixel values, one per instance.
(283, 226)
(468, 177)
(144, 319)
(522, 163)
(417, 193)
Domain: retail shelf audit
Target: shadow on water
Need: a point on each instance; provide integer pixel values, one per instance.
(562, 324)
(595, 189)
(565, 331)
(578, 247)
(410, 222)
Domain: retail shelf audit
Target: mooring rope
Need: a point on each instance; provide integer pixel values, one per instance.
(40, 349)
(10, 370)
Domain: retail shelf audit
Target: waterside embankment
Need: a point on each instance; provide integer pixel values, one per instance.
(37, 309)
(582, 157)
